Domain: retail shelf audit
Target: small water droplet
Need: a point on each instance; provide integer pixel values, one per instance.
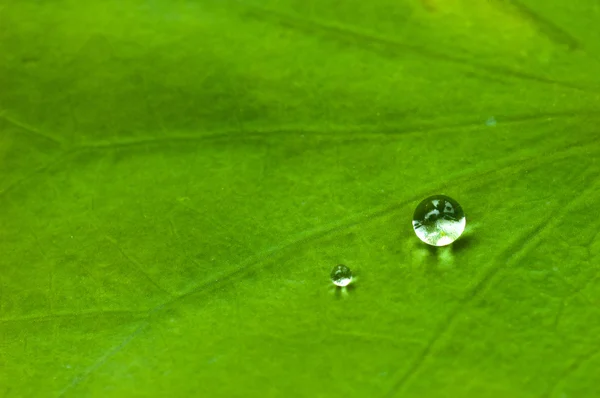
(341, 275)
(439, 220)
(491, 122)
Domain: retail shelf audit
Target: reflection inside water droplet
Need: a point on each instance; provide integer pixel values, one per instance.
(341, 275)
(439, 220)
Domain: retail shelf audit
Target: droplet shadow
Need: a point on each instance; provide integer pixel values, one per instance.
(461, 244)
(442, 258)
(341, 292)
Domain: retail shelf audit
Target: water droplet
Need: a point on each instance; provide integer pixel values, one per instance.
(491, 122)
(341, 275)
(439, 220)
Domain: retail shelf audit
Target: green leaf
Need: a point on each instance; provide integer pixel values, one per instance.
(178, 179)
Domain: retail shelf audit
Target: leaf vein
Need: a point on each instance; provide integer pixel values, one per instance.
(519, 246)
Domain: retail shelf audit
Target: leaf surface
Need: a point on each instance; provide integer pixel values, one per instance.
(177, 180)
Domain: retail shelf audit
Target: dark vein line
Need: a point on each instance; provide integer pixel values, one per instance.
(239, 136)
(138, 267)
(546, 27)
(303, 238)
(70, 315)
(372, 132)
(516, 166)
(306, 237)
(371, 42)
(109, 354)
(376, 132)
(579, 289)
(173, 228)
(31, 131)
(57, 160)
(315, 234)
(519, 246)
(445, 326)
(575, 290)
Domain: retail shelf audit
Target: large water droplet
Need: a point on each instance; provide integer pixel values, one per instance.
(341, 275)
(439, 220)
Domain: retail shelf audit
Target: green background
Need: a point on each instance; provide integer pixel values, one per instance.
(178, 178)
